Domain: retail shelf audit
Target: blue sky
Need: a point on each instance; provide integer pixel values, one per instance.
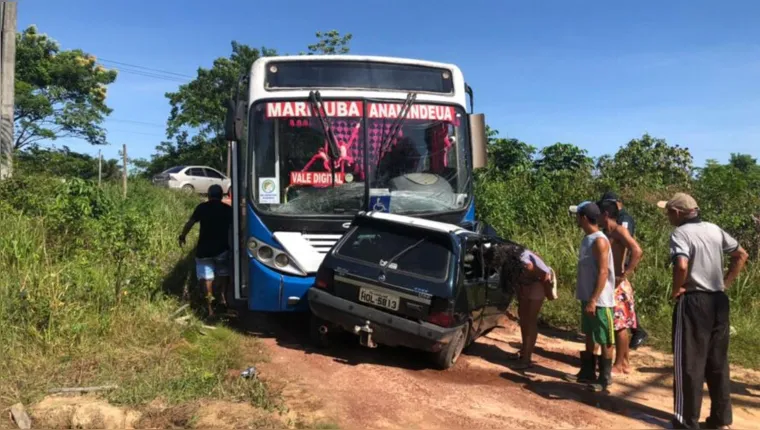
(592, 73)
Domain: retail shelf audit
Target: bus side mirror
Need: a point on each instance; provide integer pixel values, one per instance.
(478, 139)
(233, 124)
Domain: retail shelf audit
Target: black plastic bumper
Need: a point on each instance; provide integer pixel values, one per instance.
(387, 329)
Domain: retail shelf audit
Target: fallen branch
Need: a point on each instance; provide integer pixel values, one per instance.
(178, 311)
(83, 389)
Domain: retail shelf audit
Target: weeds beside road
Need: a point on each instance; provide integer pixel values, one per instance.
(84, 298)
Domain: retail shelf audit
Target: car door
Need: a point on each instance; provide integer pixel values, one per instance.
(497, 300)
(215, 178)
(197, 179)
(474, 283)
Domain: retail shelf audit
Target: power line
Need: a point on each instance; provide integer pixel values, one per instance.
(110, 130)
(150, 69)
(152, 75)
(130, 121)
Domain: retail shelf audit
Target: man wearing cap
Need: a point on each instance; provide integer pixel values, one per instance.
(212, 252)
(595, 290)
(701, 314)
(638, 334)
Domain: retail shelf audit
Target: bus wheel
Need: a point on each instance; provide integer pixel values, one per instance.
(319, 332)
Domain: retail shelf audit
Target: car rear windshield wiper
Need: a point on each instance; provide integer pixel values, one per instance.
(316, 107)
(404, 251)
(396, 126)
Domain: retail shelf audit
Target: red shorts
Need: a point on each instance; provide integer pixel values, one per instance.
(625, 307)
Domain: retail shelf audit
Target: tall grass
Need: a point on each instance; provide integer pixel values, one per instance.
(533, 210)
(84, 297)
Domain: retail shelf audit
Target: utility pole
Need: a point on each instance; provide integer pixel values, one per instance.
(100, 167)
(7, 85)
(124, 156)
(229, 159)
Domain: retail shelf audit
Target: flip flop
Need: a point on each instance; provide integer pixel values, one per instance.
(513, 356)
(521, 366)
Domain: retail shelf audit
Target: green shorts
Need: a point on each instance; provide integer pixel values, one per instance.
(600, 326)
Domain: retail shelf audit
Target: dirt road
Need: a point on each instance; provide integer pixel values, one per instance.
(392, 388)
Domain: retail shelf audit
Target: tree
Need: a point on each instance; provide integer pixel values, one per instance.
(743, 162)
(196, 122)
(58, 93)
(507, 155)
(563, 157)
(649, 161)
(330, 43)
(65, 163)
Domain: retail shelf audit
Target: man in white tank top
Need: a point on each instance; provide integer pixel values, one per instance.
(595, 290)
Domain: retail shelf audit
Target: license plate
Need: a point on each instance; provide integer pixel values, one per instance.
(387, 301)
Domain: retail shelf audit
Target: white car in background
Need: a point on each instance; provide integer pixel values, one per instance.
(192, 179)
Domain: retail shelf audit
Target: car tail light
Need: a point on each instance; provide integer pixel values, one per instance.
(443, 319)
(324, 277)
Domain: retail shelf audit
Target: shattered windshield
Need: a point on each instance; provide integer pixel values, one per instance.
(420, 169)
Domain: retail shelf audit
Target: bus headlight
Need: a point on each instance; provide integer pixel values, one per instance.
(252, 244)
(281, 260)
(265, 253)
(273, 257)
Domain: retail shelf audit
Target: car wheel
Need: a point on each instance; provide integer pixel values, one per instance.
(318, 338)
(448, 356)
(188, 188)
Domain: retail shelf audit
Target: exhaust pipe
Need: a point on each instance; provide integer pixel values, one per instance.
(323, 329)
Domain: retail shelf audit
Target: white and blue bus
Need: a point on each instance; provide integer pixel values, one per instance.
(321, 138)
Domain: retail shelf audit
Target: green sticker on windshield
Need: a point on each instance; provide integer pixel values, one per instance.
(269, 192)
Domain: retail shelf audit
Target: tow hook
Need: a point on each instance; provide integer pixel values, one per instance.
(365, 335)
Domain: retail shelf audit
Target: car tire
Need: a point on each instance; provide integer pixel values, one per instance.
(448, 356)
(318, 339)
(188, 188)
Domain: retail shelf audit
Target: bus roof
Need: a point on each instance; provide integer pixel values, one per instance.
(257, 90)
(375, 58)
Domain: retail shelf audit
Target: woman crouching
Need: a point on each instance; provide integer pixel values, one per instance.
(533, 281)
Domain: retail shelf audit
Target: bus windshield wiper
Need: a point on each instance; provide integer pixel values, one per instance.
(395, 126)
(334, 151)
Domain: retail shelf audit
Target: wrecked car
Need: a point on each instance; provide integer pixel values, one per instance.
(402, 281)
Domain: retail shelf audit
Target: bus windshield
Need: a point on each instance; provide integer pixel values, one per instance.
(423, 168)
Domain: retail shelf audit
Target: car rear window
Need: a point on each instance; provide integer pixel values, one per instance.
(174, 169)
(411, 252)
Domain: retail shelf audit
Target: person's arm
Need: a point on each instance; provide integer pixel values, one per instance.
(188, 226)
(680, 275)
(600, 250)
(738, 258)
(633, 246)
(680, 252)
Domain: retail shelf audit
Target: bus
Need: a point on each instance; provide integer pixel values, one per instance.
(321, 138)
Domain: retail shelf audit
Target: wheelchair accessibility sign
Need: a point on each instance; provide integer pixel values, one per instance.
(380, 200)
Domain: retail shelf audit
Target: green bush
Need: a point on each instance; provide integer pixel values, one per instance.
(531, 207)
(83, 301)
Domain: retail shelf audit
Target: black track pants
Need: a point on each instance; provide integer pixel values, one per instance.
(700, 354)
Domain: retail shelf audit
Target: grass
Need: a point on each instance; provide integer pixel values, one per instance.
(85, 299)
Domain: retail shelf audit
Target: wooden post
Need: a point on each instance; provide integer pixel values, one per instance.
(7, 85)
(100, 167)
(124, 157)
